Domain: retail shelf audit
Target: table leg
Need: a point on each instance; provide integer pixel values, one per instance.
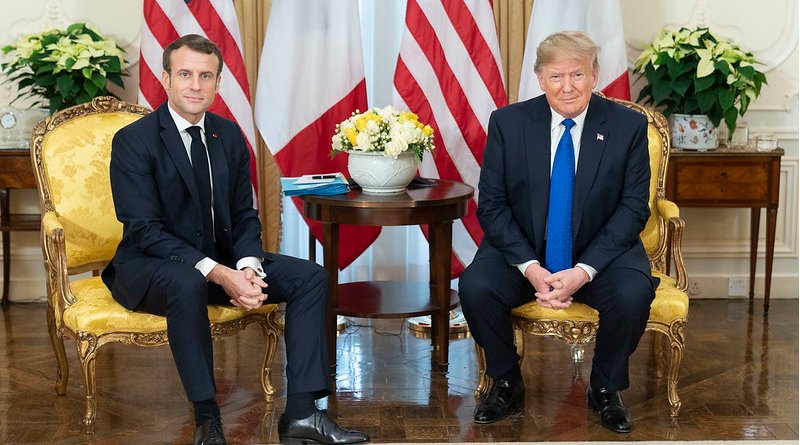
(772, 222)
(441, 239)
(755, 217)
(330, 254)
(4, 218)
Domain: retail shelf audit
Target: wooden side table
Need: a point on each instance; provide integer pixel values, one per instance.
(435, 206)
(16, 172)
(731, 177)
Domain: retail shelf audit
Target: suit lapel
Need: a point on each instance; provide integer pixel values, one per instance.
(177, 152)
(219, 172)
(537, 143)
(593, 140)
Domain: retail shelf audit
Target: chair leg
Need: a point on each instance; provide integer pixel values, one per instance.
(483, 380)
(62, 366)
(659, 353)
(87, 352)
(271, 339)
(677, 346)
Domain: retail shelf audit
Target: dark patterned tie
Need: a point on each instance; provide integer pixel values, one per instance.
(558, 255)
(203, 181)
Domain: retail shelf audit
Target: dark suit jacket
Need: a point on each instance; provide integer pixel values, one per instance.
(610, 204)
(156, 200)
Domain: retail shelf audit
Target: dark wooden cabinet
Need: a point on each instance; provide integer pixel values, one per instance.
(731, 178)
(16, 172)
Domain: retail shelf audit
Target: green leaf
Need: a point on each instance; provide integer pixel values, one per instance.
(661, 91)
(676, 69)
(747, 71)
(725, 98)
(99, 80)
(90, 88)
(681, 85)
(722, 66)
(64, 84)
(706, 101)
(703, 83)
(730, 120)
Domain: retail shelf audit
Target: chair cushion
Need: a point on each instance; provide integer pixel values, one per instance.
(670, 304)
(95, 311)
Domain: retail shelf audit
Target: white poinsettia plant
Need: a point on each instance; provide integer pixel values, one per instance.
(385, 130)
(696, 71)
(64, 67)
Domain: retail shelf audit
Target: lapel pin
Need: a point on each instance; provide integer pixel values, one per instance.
(600, 137)
(214, 135)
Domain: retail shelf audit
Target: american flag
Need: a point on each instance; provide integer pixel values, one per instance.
(165, 21)
(449, 74)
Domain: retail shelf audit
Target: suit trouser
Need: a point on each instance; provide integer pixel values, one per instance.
(181, 292)
(489, 289)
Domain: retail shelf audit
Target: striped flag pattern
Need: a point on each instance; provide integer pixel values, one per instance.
(449, 74)
(311, 78)
(165, 21)
(601, 20)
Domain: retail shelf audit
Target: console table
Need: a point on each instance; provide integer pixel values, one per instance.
(731, 177)
(435, 206)
(16, 172)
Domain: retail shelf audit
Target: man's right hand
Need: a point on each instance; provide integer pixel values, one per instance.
(545, 295)
(245, 290)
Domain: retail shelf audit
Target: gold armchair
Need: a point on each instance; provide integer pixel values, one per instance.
(662, 235)
(80, 232)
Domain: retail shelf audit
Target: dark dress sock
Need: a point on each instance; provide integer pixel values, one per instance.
(514, 375)
(300, 405)
(205, 410)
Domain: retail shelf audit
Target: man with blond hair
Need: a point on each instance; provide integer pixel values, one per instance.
(564, 191)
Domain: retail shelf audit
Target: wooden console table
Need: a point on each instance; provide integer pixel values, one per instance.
(435, 206)
(734, 177)
(16, 172)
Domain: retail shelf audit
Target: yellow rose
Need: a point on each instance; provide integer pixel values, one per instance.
(351, 135)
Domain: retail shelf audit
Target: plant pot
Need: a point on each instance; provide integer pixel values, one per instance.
(693, 132)
(376, 173)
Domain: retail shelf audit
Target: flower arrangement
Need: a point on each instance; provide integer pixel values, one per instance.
(695, 71)
(65, 66)
(384, 130)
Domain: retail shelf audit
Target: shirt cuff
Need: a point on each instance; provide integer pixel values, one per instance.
(205, 266)
(253, 263)
(591, 271)
(524, 266)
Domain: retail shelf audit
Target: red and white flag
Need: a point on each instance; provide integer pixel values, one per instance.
(601, 20)
(311, 78)
(165, 21)
(449, 74)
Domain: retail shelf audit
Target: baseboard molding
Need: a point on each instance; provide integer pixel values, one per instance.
(716, 286)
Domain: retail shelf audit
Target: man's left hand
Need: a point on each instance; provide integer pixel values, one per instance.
(563, 285)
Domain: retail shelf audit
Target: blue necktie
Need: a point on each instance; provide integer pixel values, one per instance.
(558, 254)
(203, 181)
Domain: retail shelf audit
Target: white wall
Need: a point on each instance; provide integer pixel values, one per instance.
(716, 241)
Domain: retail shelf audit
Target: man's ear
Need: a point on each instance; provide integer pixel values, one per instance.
(165, 80)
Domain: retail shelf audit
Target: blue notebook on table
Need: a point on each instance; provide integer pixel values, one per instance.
(318, 184)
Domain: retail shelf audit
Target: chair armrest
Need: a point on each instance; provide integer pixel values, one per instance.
(675, 224)
(54, 250)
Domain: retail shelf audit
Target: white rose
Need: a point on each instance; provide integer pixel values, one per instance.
(363, 142)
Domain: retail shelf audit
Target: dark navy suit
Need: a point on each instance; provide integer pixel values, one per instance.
(610, 208)
(157, 201)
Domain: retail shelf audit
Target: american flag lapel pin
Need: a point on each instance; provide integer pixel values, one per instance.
(600, 137)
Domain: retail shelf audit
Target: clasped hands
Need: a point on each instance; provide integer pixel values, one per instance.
(244, 286)
(555, 290)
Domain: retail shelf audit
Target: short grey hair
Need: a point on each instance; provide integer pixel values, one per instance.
(570, 44)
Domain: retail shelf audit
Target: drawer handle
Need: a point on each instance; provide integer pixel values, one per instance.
(724, 175)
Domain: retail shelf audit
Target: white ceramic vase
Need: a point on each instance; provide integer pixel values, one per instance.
(693, 132)
(376, 173)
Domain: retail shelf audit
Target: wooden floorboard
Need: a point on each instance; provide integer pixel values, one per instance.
(739, 380)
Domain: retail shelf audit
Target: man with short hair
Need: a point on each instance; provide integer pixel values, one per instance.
(564, 191)
(180, 179)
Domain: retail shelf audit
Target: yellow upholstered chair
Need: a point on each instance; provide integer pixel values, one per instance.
(577, 325)
(80, 232)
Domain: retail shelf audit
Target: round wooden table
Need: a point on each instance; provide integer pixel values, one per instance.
(436, 206)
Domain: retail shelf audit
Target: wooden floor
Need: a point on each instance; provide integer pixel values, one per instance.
(739, 380)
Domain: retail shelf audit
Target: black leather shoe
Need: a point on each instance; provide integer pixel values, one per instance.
(503, 399)
(316, 428)
(210, 433)
(613, 414)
